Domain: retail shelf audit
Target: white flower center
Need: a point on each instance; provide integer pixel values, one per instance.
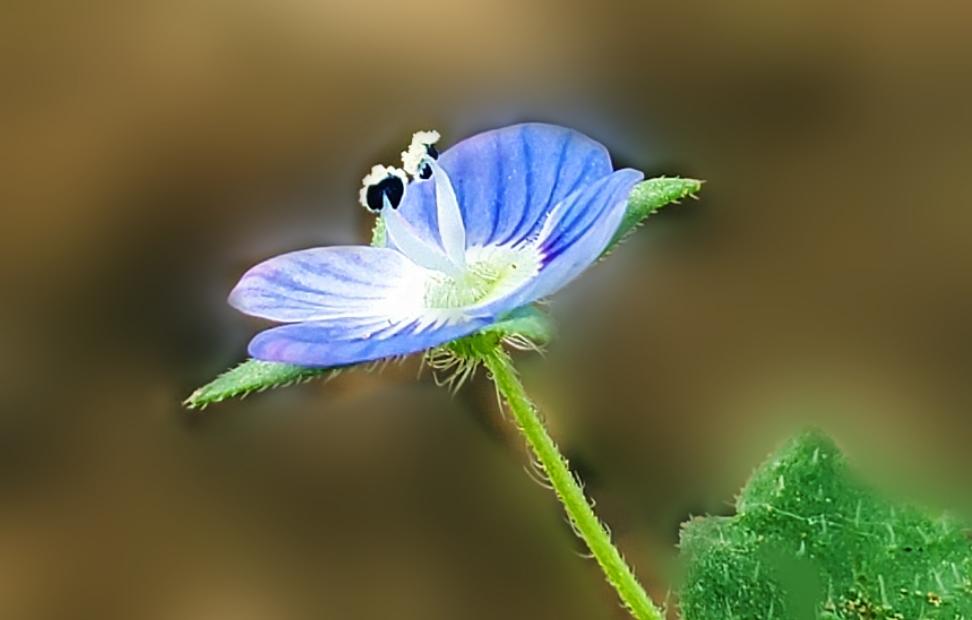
(491, 272)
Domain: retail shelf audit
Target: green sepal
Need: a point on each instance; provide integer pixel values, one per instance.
(251, 376)
(647, 198)
(527, 321)
(809, 540)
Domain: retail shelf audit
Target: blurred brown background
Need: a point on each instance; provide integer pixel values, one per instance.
(154, 150)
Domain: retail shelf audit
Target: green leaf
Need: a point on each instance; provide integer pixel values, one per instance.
(251, 376)
(647, 198)
(810, 541)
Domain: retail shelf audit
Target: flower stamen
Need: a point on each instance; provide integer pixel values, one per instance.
(383, 185)
(421, 150)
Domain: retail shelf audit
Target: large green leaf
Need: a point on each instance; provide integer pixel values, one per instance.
(810, 541)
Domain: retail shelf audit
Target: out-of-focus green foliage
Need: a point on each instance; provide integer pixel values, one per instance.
(809, 541)
(378, 234)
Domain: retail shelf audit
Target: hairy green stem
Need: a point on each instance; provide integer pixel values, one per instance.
(568, 489)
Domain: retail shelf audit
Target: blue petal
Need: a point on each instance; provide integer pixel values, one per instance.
(330, 344)
(574, 235)
(507, 179)
(327, 283)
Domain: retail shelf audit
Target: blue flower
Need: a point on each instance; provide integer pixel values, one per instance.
(498, 221)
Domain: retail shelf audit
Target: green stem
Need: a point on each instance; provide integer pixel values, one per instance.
(568, 490)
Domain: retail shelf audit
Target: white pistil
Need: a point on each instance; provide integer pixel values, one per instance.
(411, 245)
(452, 230)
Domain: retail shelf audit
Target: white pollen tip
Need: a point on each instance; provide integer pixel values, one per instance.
(418, 150)
(378, 174)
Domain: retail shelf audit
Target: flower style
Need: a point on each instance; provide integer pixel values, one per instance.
(496, 222)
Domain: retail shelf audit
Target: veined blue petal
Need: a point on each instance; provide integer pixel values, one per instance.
(509, 178)
(587, 210)
(335, 344)
(338, 282)
(573, 236)
(506, 180)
